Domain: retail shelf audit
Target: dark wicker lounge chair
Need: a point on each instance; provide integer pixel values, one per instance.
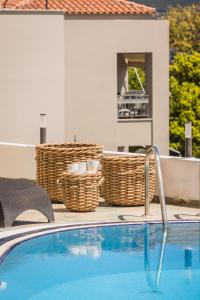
(19, 195)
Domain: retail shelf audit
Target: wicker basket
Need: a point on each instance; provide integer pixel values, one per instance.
(81, 192)
(52, 161)
(125, 181)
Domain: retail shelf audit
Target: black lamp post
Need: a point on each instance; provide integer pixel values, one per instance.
(43, 128)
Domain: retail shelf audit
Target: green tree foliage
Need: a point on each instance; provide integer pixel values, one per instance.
(132, 78)
(162, 5)
(185, 100)
(184, 28)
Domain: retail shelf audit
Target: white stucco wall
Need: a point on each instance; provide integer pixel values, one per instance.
(181, 178)
(17, 161)
(31, 76)
(91, 47)
(134, 133)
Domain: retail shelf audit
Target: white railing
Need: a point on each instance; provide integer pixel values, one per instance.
(133, 105)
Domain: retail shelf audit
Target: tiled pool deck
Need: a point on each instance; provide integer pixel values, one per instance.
(103, 214)
(32, 223)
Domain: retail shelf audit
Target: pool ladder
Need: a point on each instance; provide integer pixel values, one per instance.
(154, 150)
(153, 284)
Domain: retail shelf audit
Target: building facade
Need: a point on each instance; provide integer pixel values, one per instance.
(73, 67)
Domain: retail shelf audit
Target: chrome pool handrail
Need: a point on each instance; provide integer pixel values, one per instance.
(154, 150)
(161, 257)
(154, 285)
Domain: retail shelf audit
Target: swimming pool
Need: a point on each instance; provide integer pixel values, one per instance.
(120, 262)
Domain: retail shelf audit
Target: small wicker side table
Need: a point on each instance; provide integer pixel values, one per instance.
(124, 183)
(81, 193)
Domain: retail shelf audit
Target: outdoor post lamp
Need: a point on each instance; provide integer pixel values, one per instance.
(43, 128)
(188, 139)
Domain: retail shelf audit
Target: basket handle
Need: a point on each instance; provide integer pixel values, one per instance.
(59, 181)
(101, 181)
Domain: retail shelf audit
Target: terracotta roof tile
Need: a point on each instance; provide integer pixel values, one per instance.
(83, 7)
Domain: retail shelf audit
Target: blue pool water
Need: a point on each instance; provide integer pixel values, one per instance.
(121, 262)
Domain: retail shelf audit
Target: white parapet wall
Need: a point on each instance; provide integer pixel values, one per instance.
(181, 176)
(17, 161)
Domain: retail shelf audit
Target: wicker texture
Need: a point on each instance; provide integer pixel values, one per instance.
(53, 159)
(19, 195)
(81, 192)
(125, 180)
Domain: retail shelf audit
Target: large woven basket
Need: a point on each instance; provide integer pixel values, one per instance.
(52, 160)
(124, 183)
(81, 192)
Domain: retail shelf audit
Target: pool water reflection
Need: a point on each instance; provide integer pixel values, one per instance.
(106, 263)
